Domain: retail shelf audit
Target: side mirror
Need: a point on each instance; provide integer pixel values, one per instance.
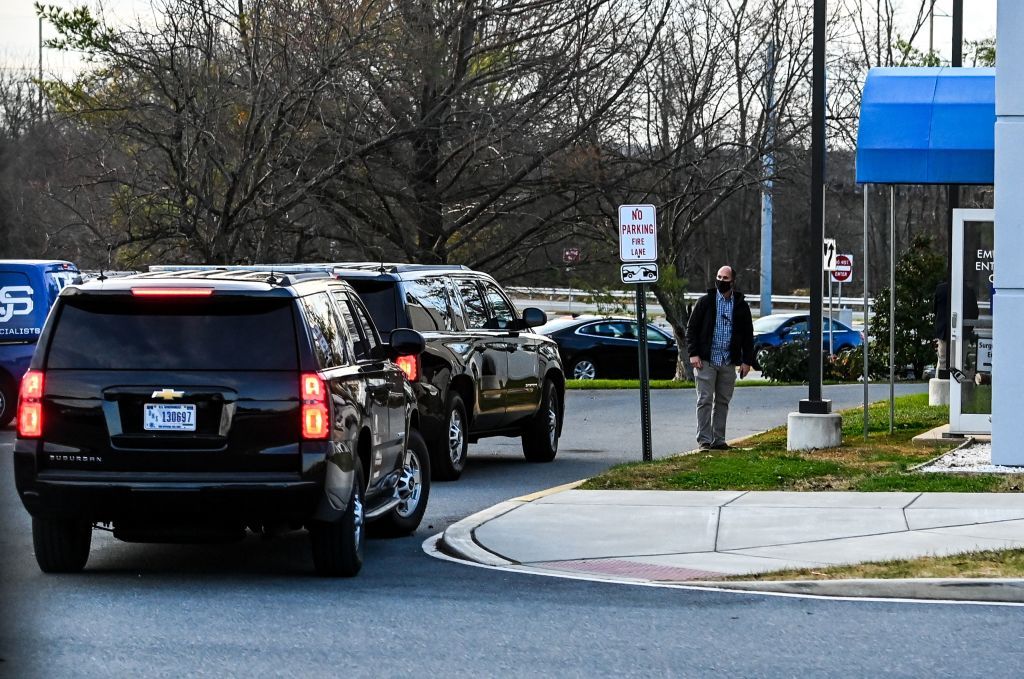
(405, 342)
(671, 341)
(533, 317)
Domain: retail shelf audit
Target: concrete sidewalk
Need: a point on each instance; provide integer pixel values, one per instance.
(692, 538)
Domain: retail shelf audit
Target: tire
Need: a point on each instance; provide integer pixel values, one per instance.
(62, 545)
(338, 546)
(8, 401)
(759, 354)
(406, 517)
(583, 368)
(540, 440)
(449, 453)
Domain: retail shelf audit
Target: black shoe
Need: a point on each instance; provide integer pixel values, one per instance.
(721, 446)
(706, 446)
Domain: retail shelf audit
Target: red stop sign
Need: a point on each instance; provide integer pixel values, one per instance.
(844, 269)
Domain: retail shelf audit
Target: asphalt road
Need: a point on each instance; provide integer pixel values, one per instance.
(254, 609)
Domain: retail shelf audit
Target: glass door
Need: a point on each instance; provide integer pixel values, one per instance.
(970, 348)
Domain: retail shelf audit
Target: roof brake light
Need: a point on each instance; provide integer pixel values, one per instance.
(172, 292)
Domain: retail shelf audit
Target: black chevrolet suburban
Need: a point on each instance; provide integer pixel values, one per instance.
(484, 371)
(193, 405)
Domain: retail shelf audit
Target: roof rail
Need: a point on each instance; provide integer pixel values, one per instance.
(270, 274)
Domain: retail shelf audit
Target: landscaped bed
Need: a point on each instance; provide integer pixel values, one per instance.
(883, 462)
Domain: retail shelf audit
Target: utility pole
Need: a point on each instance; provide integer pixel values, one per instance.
(931, 29)
(814, 404)
(953, 190)
(39, 85)
(768, 168)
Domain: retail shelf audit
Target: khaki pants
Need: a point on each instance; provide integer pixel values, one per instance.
(715, 384)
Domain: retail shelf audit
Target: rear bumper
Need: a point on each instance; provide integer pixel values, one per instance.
(101, 496)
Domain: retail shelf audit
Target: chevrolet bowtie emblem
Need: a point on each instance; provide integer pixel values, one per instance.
(167, 394)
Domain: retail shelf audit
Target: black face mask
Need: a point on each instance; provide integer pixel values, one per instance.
(723, 286)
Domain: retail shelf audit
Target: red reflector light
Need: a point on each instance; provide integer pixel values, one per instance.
(315, 422)
(30, 406)
(172, 292)
(410, 365)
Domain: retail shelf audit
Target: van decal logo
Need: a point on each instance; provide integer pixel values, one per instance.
(15, 300)
(167, 394)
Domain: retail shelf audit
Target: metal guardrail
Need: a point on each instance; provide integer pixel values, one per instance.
(555, 294)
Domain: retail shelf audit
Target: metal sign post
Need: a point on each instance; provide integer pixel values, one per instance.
(638, 250)
(571, 257)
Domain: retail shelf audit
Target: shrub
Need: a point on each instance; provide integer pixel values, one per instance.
(788, 363)
(918, 273)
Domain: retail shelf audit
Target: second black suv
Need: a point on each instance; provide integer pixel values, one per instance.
(483, 373)
(189, 406)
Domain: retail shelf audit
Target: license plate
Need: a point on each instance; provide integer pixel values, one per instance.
(168, 417)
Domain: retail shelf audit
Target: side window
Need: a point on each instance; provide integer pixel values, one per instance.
(472, 303)
(358, 346)
(600, 330)
(360, 329)
(656, 336)
(426, 300)
(502, 314)
(366, 328)
(625, 330)
(325, 329)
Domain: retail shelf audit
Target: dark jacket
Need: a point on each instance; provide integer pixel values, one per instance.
(942, 310)
(701, 327)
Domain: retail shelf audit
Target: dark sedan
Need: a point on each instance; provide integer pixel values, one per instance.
(604, 347)
(778, 329)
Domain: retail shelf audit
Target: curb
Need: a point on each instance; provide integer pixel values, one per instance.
(458, 541)
(1008, 590)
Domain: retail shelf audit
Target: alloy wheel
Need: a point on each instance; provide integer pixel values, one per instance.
(409, 485)
(456, 437)
(584, 370)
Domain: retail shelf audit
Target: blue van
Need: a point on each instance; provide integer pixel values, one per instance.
(28, 288)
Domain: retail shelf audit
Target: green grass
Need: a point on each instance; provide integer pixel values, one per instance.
(988, 564)
(673, 384)
(883, 462)
(625, 384)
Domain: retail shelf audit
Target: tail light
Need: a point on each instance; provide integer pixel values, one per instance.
(410, 365)
(313, 390)
(30, 405)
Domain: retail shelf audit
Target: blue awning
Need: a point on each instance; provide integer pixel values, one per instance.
(927, 126)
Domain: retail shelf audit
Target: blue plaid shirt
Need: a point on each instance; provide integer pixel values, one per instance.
(722, 338)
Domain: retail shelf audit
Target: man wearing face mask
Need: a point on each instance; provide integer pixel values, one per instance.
(720, 344)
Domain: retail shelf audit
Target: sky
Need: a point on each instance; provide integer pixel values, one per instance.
(19, 29)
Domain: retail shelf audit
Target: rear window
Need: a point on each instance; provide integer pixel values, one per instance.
(379, 298)
(209, 334)
(426, 301)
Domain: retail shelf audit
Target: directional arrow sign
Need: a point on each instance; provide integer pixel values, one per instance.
(639, 273)
(828, 254)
